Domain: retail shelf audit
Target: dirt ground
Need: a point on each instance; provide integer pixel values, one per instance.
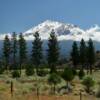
(31, 96)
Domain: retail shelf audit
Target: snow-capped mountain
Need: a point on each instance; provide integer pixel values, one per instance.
(66, 34)
(63, 31)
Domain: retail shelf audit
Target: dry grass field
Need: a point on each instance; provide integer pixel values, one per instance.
(32, 96)
(24, 88)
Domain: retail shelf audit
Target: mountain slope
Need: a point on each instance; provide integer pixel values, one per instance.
(66, 34)
(63, 31)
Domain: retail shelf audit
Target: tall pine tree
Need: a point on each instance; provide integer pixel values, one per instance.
(14, 48)
(83, 53)
(90, 54)
(22, 51)
(6, 51)
(37, 50)
(75, 54)
(53, 51)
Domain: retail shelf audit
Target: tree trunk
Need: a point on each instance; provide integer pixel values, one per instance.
(14, 61)
(90, 69)
(87, 69)
(54, 88)
(38, 93)
(20, 69)
(51, 89)
(37, 70)
(68, 86)
(80, 95)
(82, 66)
(7, 63)
(52, 68)
(88, 89)
(11, 88)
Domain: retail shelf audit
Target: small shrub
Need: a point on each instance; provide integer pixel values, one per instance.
(98, 91)
(88, 82)
(81, 74)
(8, 82)
(42, 72)
(74, 71)
(29, 70)
(68, 76)
(15, 74)
(54, 79)
(1, 70)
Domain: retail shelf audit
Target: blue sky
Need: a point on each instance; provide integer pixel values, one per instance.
(20, 15)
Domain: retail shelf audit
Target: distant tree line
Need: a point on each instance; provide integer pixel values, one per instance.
(15, 53)
(83, 55)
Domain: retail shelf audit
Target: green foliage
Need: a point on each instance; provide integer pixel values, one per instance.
(98, 91)
(83, 50)
(74, 71)
(53, 51)
(68, 74)
(75, 54)
(15, 74)
(81, 74)
(29, 70)
(90, 54)
(54, 79)
(14, 47)
(1, 70)
(22, 48)
(88, 82)
(42, 72)
(37, 49)
(6, 50)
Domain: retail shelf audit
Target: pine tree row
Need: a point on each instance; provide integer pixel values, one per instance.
(15, 53)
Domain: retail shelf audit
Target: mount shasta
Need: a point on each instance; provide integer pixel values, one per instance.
(66, 34)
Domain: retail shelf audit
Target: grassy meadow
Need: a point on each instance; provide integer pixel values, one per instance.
(25, 88)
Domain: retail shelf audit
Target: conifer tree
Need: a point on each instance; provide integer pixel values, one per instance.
(54, 79)
(37, 50)
(6, 51)
(68, 76)
(90, 54)
(75, 54)
(14, 48)
(53, 51)
(83, 53)
(22, 51)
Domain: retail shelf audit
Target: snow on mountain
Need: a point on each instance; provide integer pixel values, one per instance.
(66, 34)
(63, 31)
